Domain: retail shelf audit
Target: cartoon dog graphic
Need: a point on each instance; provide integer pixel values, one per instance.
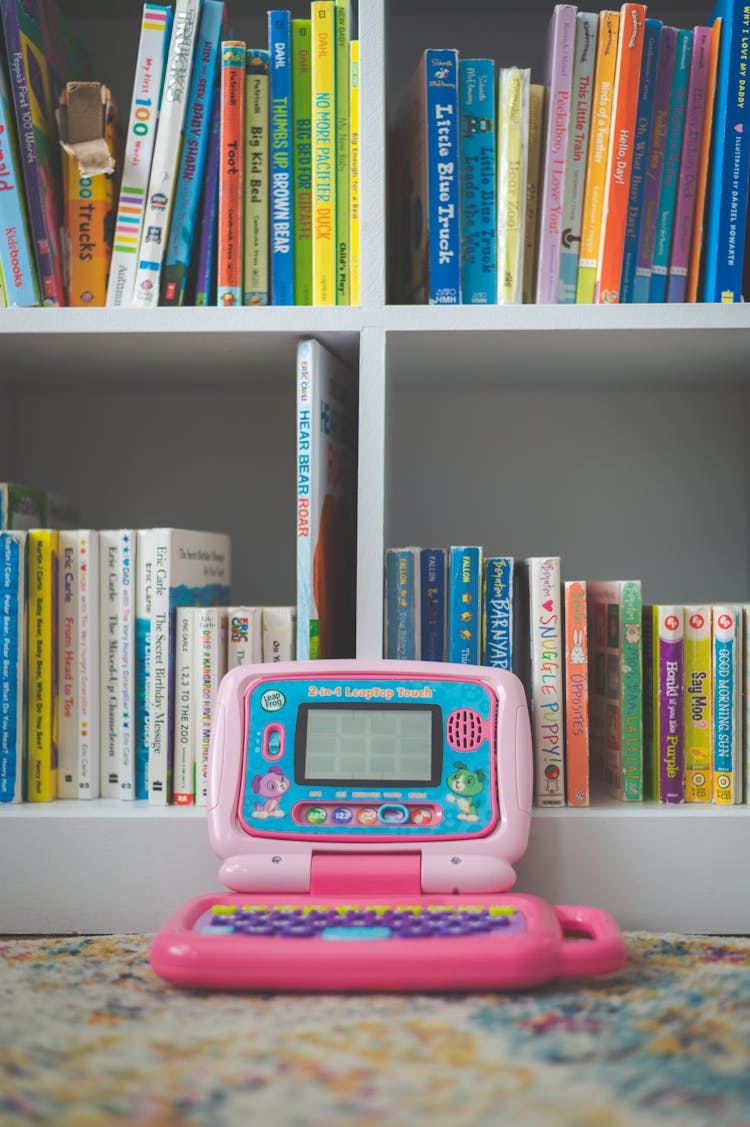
(270, 787)
(466, 786)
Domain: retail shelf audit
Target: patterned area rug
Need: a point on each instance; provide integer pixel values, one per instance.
(89, 1036)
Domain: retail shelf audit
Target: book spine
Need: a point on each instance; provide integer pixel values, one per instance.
(704, 167)
(279, 628)
(560, 59)
(433, 589)
(576, 693)
(546, 647)
(158, 675)
(231, 174)
(578, 146)
(127, 659)
(43, 545)
(343, 239)
(205, 272)
(497, 611)
(109, 656)
(402, 604)
(324, 161)
(687, 185)
(89, 212)
(513, 119)
(78, 664)
(669, 726)
(620, 160)
(727, 718)
(255, 272)
(67, 664)
(354, 175)
(668, 194)
(631, 691)
(211, 655)
(13, 613)
(476, 79)
(16, 250)
(145, 567)
(534, 152)
(185, 703)
(596, 162)
(166, 153)
(641, 148)
(698, 704)
(745, 693)
(282, 159)
(244, 636)
(464, 604)
(178, 253)
(304, 497)
(443, 204)
(302, 127)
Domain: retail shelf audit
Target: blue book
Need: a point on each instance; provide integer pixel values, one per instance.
(641, 148)
(402, 604)
(16, 251)
(433, 595)
(497, 612)
(190, 175)
(727, 191)
(668, 195)
(441, 77)
(478, 182)
(464, 605)
(13, 664)
(205, 271)
(282, 178)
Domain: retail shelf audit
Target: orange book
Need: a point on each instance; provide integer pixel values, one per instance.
(620, 160)
(576, 693)
(231, 178)
(696, 243)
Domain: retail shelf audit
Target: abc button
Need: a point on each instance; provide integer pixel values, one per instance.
(393, 814)
(316, 815)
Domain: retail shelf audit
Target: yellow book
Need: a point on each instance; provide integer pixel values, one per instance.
(513, 117)
(698, 704)
(533, 171)
(354, 175)
(343, 83)
(324, 151)
(42, 718)
(596, 167)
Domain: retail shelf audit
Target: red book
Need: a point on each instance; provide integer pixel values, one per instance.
(231, 174)
(576, 686)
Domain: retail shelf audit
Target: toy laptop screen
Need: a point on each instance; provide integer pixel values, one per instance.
(369, 760)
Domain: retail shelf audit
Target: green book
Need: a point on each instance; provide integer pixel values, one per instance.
(302, 131)
(342, 152)
(255, 270)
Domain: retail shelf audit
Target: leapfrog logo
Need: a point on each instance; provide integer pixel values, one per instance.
(272, 700)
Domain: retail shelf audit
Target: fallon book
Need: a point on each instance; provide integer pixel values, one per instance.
(402, 604)
(464, 604)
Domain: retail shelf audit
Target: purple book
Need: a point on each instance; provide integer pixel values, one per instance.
(205, 272)
(655, 166)
(670, 623)
(692, 139)
(558, 81)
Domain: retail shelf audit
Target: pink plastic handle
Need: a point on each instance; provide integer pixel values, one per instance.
(592, 941)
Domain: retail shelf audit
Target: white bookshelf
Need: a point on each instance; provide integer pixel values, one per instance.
(614, 437)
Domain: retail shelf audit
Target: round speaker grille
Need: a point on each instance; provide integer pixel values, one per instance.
(464, 729)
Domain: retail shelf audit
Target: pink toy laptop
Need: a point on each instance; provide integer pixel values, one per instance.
(368, 815)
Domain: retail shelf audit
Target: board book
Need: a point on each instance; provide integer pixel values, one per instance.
(354, 175)
(230, 236)
(402, 604)
(17, 263)
(42, 665)
(255, 270)
(244, 635)
(727, 705)
(78, 664)
(342, 84)
(698, 703)
(13, 666)
(576, 693)
(464, 604)
(663, 703)
(433, 587)
(117, 673)
(512, 163)
(282, 159)
(302, 127)
(279, 633)
(478, 151)
(497, 612)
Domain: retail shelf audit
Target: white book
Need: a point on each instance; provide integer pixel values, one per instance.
(78, 664)
(244, 636)
(185, 704)
(279, 633)
(210, 650)
(12, 665)
(117, 553)
(166, 157)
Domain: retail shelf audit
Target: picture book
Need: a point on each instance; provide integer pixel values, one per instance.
(578, 147)
(596, 163)
(205, 271)
(324, 159)
(696, 243)
(655, 164)
(13, 613)
(244, 636)
(402, 604)
(211, 663)
(354, 176)
(727, 194)
(78, 664)
(167, 150)
(433, 591)
(698, 695)
(614, 612)
(534, 152)
(425, 232)
(670, 174)
(559, 79)
(326, 504)
(256, 284)
(279, 633)
(539, 661)
(282, 158)
(179, 250)
(230, 236)
(42, 665)
(513, 128)
(465, 604)
(117, 661)
(620, 159)
(22, 507)
(341, 102)
(727, 770)
(302, 133)
(746, 697)
(186, 703)
(144, 602)
(641, 149)
(17, 263)
(576, 693)
(497, 612)
(478, 180)
(156, 30)
(663, 703)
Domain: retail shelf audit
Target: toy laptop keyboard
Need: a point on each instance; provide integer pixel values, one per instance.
(369, 816)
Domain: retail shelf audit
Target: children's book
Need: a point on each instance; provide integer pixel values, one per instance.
(186, 701)
(478, 181)
(698, 696)
(13, 666)
(244, 636)
(576, 693)
(17, 262)
(670, 174)
(302, 133)
(696, 244)
(210, 656)
(512, 153)
(324, 160)
(117, 661)
(341, 101)
(578, 147)
(282, 157)
(614, 612)
(465, 604)
(78, 664)
(537, 96)
(21, 507)
(727, 705)
(166, 154)
(205, 272)
(433, 592)
(279, 633)
(663, 703)
(402, 604)
(256, 283)
(42, 665)
(561, 37)
(156, 29)
(326, 504)
(426, 227)
(354, 175)
(497, 612)
(229, 279)
(178, 253)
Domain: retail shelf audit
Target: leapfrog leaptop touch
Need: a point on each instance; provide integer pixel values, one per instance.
(368, 814)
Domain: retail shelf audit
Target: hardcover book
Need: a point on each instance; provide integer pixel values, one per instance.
(433, 590)
(230, 238)
(698, 696)
(497, 612)
(663, 703)
(117, 658)
(78, 664)
(17, 263)
(13, 666)
(282, 158)
(42, 665)
(576, 692)
(302, 127)
(465, 604)
(578, 147)
(402, 604)
(324, 159)
(512, 161)
(478, 181)
(727, 705)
